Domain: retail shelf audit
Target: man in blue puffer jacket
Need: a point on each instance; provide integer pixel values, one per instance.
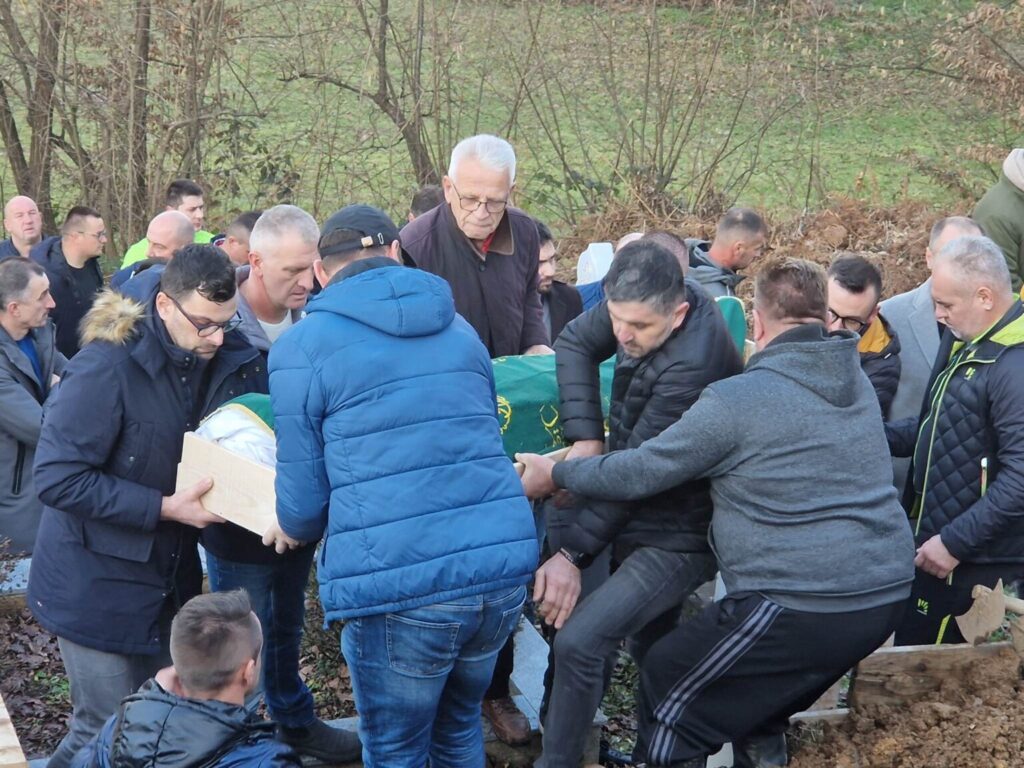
(389, 447)
(193, 715)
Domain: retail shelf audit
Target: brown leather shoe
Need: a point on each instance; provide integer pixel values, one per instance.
(509, 724)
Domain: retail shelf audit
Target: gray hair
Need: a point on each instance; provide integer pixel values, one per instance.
(977, 261)
(490, 151)
(15, 275)
(961, 224)
(647, 272)
(274, 222)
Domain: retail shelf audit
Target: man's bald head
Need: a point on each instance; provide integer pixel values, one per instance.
(23, 222)
(945, 231)
(168, 233)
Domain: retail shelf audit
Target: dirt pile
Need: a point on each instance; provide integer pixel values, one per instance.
(893, 237)
(975, 721)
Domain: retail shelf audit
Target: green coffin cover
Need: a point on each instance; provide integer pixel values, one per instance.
(527, 402)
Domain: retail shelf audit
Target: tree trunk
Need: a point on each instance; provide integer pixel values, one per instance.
(138, 114)
(40, 108)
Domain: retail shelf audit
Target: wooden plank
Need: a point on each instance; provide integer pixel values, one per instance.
(11, 755)
(243, 490)
(911, 673)
(820, 716)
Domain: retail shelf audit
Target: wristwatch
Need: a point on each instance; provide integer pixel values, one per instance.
(580, 559)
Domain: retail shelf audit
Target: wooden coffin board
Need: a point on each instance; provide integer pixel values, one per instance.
(243, 490)
(11, 755)
(915, 672)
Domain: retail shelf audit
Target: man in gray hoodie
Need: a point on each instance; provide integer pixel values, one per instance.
(739, 239)
(796, 616)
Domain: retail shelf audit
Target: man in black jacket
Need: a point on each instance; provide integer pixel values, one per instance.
(967, 473)
(854, 288)
(71, 261)
(194, 713)
(560, 302)
(116, 554)
(670, 342)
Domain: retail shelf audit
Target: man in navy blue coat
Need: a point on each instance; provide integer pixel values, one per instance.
(389, 447)
(116, 554)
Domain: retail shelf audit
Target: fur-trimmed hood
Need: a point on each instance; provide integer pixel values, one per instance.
(113, 317)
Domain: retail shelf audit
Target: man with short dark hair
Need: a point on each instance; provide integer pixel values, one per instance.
(184, 196)
(71, 261)
(197, 706)
(670, 342)
(426, 198)
(168, 233)
(235, 240)
(272, 295)
(388, 446)
(559, 301)
(24, 226)
(739, 239)
(116, 554)
(854, 288)
(30, 364)
(967, 473)
(795, 617)
(912, 317)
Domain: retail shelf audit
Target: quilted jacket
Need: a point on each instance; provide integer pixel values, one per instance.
(388, 440)
(974, 412)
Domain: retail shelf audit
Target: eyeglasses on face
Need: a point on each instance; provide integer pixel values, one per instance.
(205, 330)
(101, 235)
(470, 204)
(854, 324)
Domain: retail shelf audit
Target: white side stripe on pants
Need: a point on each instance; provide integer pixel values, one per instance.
(728, 650)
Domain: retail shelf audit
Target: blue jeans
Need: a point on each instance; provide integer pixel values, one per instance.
(419, 677)
(278, 594)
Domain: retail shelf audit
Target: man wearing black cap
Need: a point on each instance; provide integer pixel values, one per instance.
(272, 295)
(389, 446)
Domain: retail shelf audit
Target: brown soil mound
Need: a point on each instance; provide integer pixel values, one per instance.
(894, 237)
(974, 724)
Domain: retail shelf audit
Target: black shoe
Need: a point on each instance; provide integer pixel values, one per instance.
(613, 756)
(318, 739)
(763, 751)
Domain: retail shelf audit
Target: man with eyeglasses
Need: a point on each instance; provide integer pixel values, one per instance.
(854, 288)
(24, 226)
(487, 250)
(116, 554)
(71, 261)
(272, 294)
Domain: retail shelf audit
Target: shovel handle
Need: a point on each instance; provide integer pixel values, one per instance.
(1015, 605)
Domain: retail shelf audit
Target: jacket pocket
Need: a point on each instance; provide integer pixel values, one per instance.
(19, 470)
(133, 450)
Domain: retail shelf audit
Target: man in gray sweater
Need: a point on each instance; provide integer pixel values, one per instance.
(797, 616)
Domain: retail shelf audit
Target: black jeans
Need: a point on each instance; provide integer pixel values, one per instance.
(741, 667)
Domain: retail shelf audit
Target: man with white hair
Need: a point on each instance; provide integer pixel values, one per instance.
(487, 250)
(912, 317)
(967, 444)
(272, 294)
(24, 226)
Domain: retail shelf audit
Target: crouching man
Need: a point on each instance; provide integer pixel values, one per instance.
(193, 713)
(796, 617)
(389, 447)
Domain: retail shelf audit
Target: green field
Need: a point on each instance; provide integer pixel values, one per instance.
(773, 104)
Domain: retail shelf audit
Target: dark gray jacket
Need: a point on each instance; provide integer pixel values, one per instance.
(648, 395)
(21, 417)
(798, 516)
(715, 280)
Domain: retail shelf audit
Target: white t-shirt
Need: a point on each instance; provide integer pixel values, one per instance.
(274, 330)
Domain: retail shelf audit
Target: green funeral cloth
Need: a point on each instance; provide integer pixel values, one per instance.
(527, 402)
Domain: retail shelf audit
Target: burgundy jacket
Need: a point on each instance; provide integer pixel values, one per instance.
(498, 294)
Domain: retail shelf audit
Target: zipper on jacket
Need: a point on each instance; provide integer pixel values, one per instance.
(19, 468)
(934, 411)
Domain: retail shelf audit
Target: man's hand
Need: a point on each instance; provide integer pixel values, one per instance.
(556, 590)
(581, 449)
(537, 482)
(933, 558)
(278, 539)
(539, 349)
(185, 506)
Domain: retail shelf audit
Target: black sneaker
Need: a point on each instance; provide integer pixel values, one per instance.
(762, 751)
(318, 739)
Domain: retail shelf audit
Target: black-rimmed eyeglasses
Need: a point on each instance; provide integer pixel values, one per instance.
(205, 330)
(470, 204)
